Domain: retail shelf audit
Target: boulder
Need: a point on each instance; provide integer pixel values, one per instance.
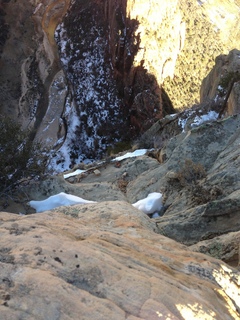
(105, 261)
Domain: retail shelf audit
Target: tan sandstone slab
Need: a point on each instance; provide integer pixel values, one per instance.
(105, 261)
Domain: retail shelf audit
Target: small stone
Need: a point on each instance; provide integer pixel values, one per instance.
(97, 172)
(125, 174)
(71, 179)
(171, 175)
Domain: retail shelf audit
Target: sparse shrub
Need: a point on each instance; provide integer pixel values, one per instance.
(20, 158)
(119, 147)
(190, 177)
(122, 184)
(190, 173)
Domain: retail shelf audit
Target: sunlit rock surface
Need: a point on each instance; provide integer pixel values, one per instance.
(105, 261)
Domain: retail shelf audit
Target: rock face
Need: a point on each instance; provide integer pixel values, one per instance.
(210, 30)
(113, 69)
(105, 261)
(29, 58)
(199, 177)
(223, 82)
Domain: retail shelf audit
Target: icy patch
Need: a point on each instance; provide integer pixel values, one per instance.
(136, 153)
(97, 120)
(183, 120)
(182, 123)
(61, 199)
(74, 173)
(61, 160)
(151, 204)
(210, 116)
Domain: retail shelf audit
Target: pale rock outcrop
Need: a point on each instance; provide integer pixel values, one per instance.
(162, 34)
(199, 207)
(211, 29)
(105, 261)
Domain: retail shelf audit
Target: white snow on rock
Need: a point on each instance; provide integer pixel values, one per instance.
(61, 199)
(151, 204)
(74, 173)
(211, 115)
(197, 120)
(136, 153)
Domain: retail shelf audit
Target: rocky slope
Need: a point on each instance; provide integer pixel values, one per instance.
(113, 69)
(109, 260)
(197, 170)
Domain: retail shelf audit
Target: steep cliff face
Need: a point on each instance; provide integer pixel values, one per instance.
(211, 29)
(222, 84)
(29, 59)
(86, 74)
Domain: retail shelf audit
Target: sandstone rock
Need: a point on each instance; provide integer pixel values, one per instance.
(199, 206)
(52, 128)
(225, 247)
(104, 261)
(204, 22)
(97, 172)
(199, 180)
(29, 59)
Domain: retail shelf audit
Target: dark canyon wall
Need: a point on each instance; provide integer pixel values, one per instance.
(84, 74)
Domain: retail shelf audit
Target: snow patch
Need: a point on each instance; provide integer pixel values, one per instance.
(136, 153)
(61, 199)
(74, 173)
(151, 204)
(210, 116)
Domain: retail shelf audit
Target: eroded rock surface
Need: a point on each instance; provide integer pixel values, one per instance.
(105, 261)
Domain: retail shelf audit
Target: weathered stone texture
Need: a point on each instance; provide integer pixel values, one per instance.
(104, 261)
